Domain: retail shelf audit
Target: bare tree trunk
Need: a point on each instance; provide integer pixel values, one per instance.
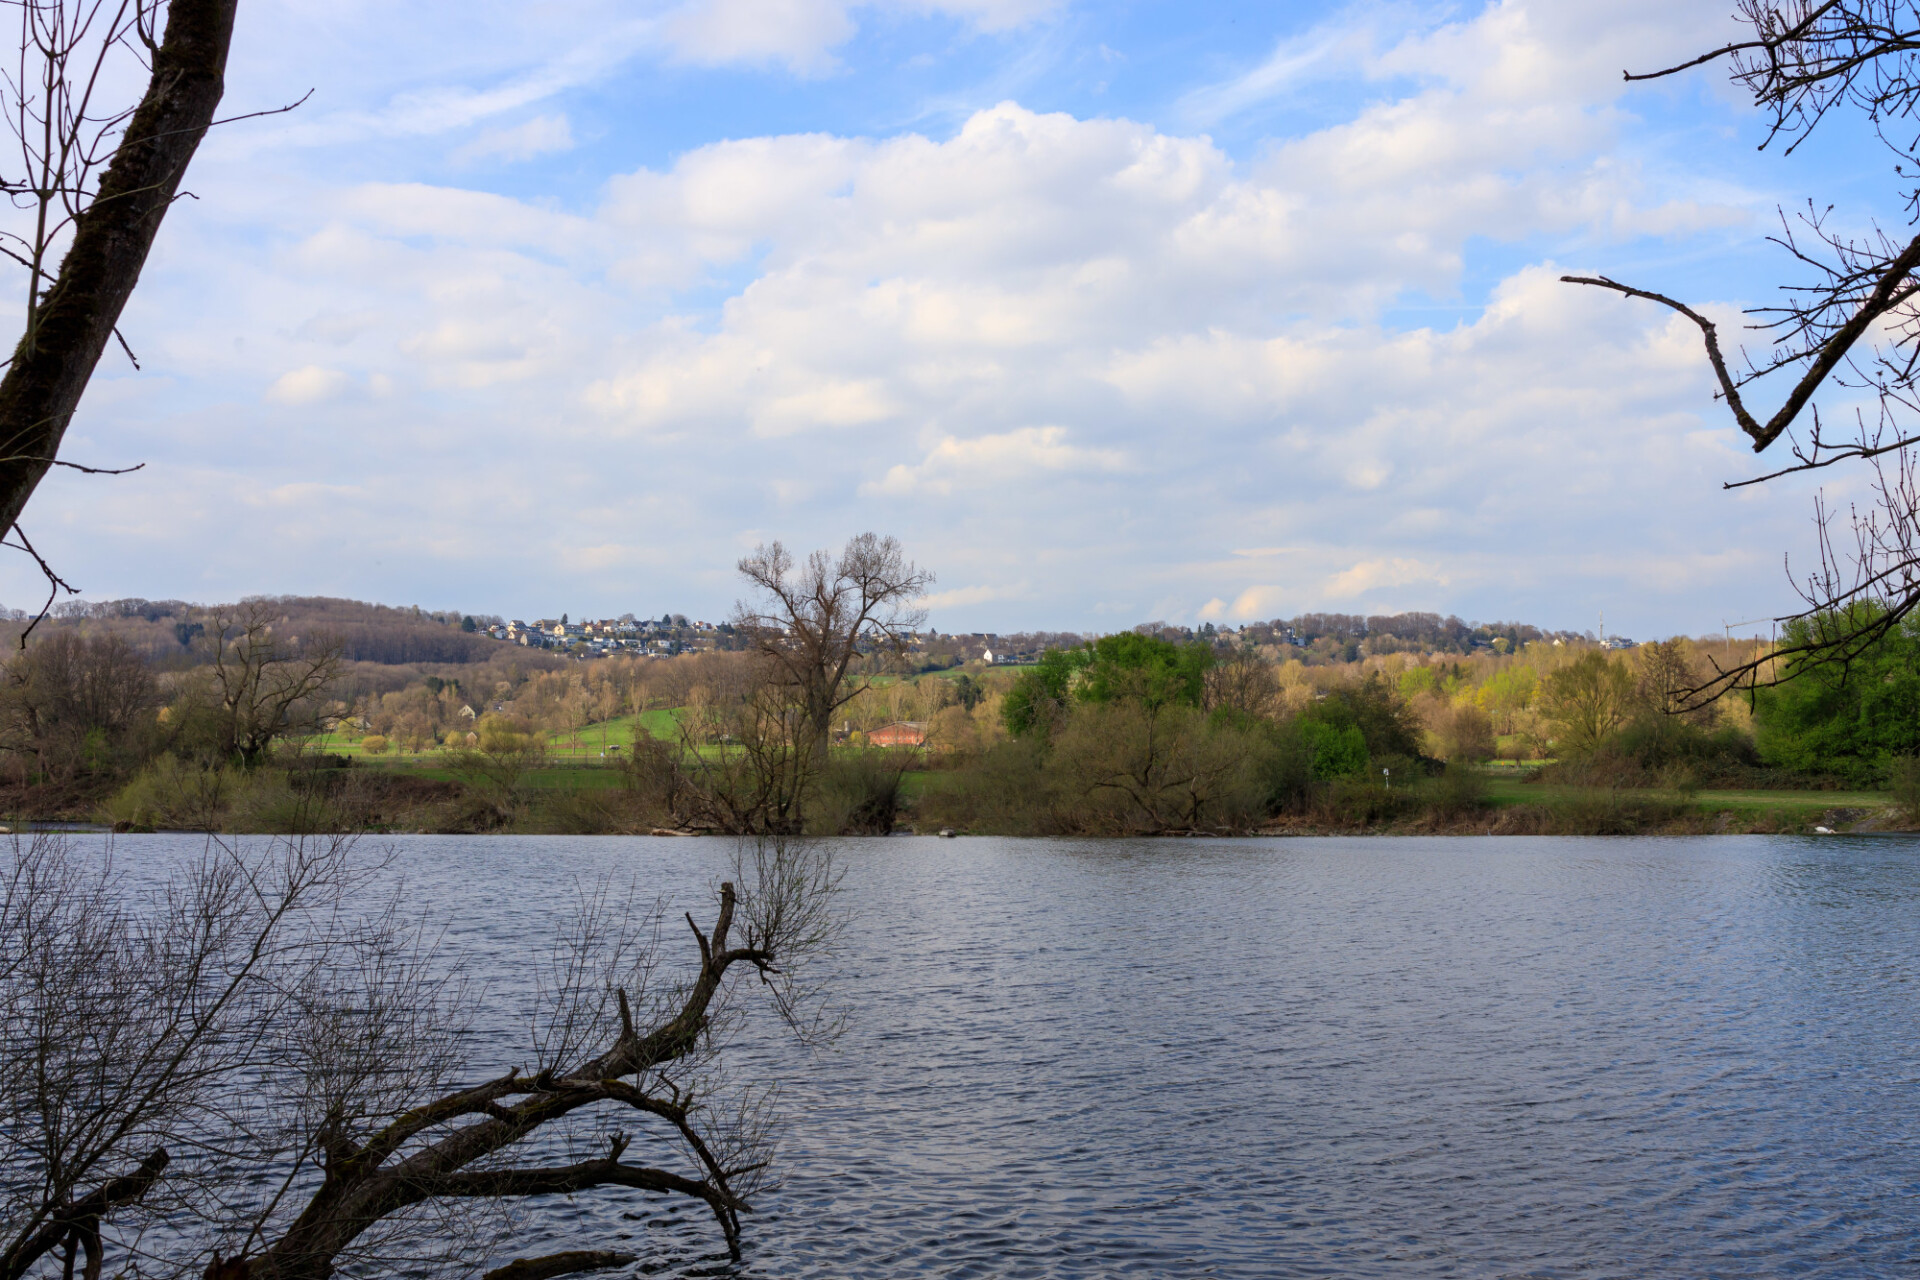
(70, 328)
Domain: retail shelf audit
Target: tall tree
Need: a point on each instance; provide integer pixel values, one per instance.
(1847, 326)
(814, 619)
(96, 178)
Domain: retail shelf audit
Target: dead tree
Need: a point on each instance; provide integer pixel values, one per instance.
(815, 621)
(273, 1073)
(1847, 327)
(94, 177)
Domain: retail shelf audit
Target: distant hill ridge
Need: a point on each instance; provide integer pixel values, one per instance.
(164, 631)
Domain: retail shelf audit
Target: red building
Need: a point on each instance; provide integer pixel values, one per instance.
(905, 733)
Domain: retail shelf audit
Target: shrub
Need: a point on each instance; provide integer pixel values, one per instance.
(172, 794)
(1006, 790)
(1903, 774)
(1459, 792)
(1335, 751)
(374, 744)
(858, 793)
(1656, 750)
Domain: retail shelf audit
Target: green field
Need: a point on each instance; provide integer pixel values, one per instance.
(587, 746)
(1782, 808)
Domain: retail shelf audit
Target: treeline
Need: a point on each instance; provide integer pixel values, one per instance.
(1315, 639)
(1142, 734)
(1150, 731)
(168, 632)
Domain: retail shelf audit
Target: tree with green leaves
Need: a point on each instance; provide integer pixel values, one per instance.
(1128, 667)
(1587, 700)
(1852, 720)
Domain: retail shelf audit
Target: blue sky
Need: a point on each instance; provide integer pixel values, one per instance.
(1110, 312)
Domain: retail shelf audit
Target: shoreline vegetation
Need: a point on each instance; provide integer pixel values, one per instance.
(258, 719)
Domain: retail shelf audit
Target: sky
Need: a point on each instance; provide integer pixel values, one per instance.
(1109, 312)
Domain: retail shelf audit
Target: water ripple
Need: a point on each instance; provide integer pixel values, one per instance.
(1405, 1058)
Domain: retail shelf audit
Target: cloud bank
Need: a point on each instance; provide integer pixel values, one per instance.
(1092, 369)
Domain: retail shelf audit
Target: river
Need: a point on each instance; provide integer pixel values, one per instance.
(1342, 1057)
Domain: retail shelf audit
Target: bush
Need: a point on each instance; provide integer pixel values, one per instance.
(858, 792)
(1363, 801)
(1135, 768)
(1459, 792)
(1335, 751)
(1605, 812)
(1903, 775)
(1006, 790)
(172, 794)
(1656, 750)
(374, 744)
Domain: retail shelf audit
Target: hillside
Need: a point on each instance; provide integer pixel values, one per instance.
(164, 631)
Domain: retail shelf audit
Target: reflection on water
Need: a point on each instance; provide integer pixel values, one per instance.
(1309, 1057)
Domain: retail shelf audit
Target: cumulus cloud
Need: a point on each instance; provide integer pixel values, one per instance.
(1103, 360)
(1369, 576)
(963, 597)
(1011, 458)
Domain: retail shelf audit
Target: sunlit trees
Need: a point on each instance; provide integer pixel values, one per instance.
(1851, 723)
(1129, 667)
(497, 760)
(1587, 700)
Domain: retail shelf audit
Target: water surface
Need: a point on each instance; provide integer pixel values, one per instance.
(1345, 1057)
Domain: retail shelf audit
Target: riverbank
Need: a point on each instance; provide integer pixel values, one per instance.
(609, 801)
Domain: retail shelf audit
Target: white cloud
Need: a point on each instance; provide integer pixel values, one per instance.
(540, 136)
(309, 384)
(1104, 361)
(963, 597)
(1013, 458)
(1369, 576)
(798, 33)
(801, 34)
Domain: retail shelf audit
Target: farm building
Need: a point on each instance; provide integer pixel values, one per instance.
(905, 733)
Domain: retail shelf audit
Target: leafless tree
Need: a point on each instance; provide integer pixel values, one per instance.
(1243, 681)
(262, 686)
(1147, 768)
(498, 762)
(95, 172)
(268, 1074)
(1846, 328)
(71, 702)
(815, 621)
(745, 756)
